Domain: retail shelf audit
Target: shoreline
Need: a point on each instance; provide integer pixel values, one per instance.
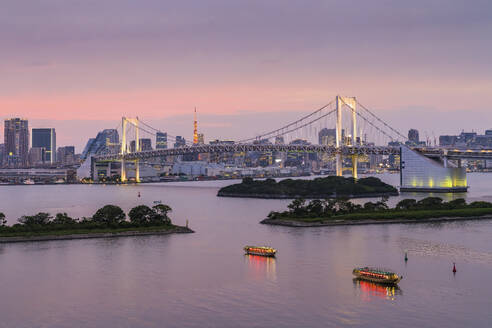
(280, 196)
(131, 233)
(341, 222)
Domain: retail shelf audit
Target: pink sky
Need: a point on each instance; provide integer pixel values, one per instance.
(71, 60)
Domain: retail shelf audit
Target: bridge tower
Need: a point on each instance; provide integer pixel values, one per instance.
(124, 148)
(352, 103)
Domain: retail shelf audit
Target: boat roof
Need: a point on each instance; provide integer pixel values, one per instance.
(376, 270)
(262, 247)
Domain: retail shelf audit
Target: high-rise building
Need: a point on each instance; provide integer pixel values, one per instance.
(201, 139)
(413, 136)
(180, 142)
(327, 137)
(145, 144)
(45, 138)
(66, 155)
(161, 140)
(16, 138)
(2, 153)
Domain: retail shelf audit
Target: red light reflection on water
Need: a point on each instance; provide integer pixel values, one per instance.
(261, 267)
(370, 289)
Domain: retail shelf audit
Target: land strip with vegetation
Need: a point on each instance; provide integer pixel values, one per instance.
(108, 221)
(344, 212)
(327, 187)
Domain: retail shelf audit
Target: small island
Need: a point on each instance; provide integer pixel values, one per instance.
(331, 212)
(327, 187)
(108, 221)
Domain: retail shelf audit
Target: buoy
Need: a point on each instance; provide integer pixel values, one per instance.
(138, 194)
(406, 257)
(454, 267)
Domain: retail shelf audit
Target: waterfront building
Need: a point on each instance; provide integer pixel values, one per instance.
(419, 173)
(161, 140)
(37, 156)
(66, 155)
(45, 138)
(16, 138)
(467, 139)
(2, 153)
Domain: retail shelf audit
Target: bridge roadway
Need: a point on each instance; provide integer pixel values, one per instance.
(234, 148)
(332, 150)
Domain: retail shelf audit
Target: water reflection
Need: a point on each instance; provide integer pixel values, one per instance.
(261, 267)
(368, 290)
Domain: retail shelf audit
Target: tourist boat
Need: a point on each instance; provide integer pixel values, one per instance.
(382, 276)
(260, 250)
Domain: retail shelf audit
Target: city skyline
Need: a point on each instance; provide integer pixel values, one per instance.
(231, 59)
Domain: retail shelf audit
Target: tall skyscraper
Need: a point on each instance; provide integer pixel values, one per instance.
(145, 144)
(161, 140)
(413, 136)
(45, 138)
(16, 138)
(327, 137)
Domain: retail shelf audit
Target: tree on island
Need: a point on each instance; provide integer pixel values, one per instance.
(37, 219)
(144, 215)
(3, 220)
(109, 214)
(63, 218)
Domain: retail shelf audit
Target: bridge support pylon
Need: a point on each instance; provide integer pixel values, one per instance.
(351, 102)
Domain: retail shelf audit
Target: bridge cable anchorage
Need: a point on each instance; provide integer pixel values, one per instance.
(383, 122)
(275, 132)
(369, 122)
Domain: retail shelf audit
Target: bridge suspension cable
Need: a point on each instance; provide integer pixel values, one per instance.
(275, 132)
(381, 121)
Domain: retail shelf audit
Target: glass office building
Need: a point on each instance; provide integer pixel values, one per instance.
(45, 138)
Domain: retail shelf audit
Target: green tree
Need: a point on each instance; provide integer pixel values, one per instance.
(406, 204)
(109, 214)
(296, 207)
(430, 203)
(3, 221)
(141, 214)
(160, 214)
(456, 203)
(63, 218)
(37, 219)
(315, 207)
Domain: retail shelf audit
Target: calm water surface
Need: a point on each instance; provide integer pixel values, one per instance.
(204, 280)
